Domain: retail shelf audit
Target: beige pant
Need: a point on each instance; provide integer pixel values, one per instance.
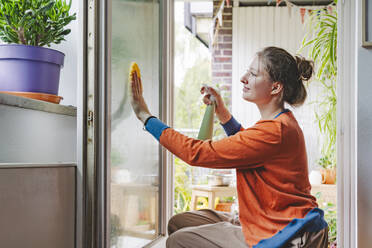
(212, 229)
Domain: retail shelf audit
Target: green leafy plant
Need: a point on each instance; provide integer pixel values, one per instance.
(330, 216)
(229, 199)
(34, 22)
(325, 162)
(321, 39)
(182, 189)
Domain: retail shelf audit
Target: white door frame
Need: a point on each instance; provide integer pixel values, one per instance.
(347, 124)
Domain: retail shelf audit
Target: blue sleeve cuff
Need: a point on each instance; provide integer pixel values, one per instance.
(232, 126)
(155, 127)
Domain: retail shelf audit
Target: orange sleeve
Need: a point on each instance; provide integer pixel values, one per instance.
(246, 149)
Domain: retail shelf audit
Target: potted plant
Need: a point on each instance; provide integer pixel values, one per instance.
(328, 170)
(26, 26)
(225, 204)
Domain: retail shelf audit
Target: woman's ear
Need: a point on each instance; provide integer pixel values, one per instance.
(277, 87)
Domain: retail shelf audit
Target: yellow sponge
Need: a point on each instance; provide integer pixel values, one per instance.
(134, 68)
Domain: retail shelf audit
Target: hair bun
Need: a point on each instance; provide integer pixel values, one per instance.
(305, 68)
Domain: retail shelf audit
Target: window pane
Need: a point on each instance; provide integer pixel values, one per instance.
(134, 153)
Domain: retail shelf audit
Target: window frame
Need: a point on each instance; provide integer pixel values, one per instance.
(347, 125)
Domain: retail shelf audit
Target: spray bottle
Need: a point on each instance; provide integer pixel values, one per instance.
(206, 127)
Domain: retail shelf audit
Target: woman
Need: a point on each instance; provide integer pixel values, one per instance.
(276, 208)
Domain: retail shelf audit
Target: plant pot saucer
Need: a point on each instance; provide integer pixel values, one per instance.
(36, 95)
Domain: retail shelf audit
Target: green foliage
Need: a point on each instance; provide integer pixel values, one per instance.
(229, 199)
(34, 22)
(330, 216)
(188, 105)
(192, 61)
(325, 162)
(321, 39)
(182, 190)
(189, 111)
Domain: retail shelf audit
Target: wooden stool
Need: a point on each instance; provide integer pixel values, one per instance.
(211, 192)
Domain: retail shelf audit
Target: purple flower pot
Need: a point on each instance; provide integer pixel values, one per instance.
(30, 68)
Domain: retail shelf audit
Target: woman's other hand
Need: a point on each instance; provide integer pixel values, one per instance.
(136, 97)
(222, 112)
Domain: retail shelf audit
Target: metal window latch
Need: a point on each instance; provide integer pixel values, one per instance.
(90, 117)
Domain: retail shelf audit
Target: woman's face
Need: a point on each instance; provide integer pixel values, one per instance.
(257, 85)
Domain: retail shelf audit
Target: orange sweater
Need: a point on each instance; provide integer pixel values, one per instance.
(271, 167)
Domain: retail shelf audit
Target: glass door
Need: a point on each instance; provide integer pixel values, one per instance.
(126, 177)
(135, 179)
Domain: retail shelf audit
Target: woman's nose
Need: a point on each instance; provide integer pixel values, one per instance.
(243, 80)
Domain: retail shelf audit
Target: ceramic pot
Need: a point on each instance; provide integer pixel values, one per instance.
(328, 176)
(30, 69)
(224, 206)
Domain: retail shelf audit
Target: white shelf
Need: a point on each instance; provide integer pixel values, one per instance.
(28, 103)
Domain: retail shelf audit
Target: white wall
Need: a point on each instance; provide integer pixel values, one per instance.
(253, 29)
(31, 136)
(364, 140)
(68, 78)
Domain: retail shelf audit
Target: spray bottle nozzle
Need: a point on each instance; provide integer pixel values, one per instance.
(208, 91)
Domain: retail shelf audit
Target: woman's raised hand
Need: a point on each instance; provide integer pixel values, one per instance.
(136, 97)
(222, 112)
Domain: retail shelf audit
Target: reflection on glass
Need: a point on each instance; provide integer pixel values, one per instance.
(134, 153)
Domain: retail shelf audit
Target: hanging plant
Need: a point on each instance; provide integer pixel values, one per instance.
(321, 40)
